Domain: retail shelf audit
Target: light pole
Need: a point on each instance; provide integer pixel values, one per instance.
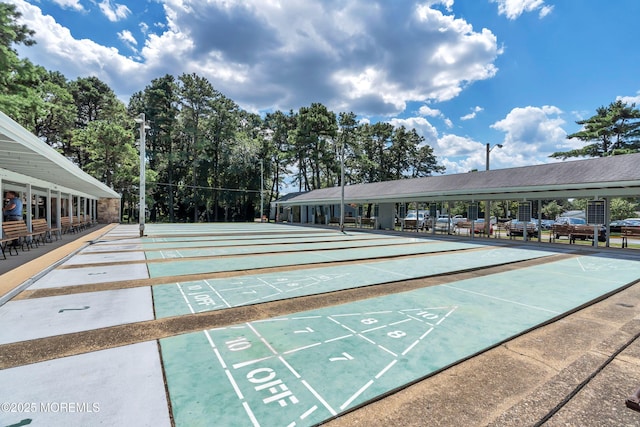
(261, 190)
(342, 188)
(487, 203)
(141, 213)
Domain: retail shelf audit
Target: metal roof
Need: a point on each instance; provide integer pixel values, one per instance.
(25, 159)
(616, 176)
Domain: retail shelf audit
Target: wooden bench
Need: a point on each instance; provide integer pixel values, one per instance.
(586, 232)
(41, 229)
(68, 224)
(627, 232)
(408, 224)
(370, 222)
(15, 231)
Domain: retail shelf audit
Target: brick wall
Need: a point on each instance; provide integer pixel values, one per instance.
(108, 211)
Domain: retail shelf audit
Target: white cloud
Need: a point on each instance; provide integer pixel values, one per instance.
(432, 112)
(472, 115)
(114, 12)
(370, 57)
(422, 127)
(532, 134)
(69, 4)
(514, 8)
(429, 112)
(459, 154)
(630, 99)
(80, 58)
(126, 36)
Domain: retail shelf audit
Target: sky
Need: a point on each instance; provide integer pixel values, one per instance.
(463, 73)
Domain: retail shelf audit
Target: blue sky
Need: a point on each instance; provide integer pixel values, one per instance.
(462, 72)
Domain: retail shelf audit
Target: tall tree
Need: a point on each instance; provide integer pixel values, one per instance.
(277, 128)
(219, 132)
(195, 95)
(94, 100)
(56, 122)
(19, 78)
(315, 131)
(159, 102)
(614, 129)
(109, 147)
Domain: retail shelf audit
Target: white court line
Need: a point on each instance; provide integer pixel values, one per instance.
(302, 348)
(324, 402)
(217, 293)
(339, 338)
(251, 362)
(426, 333)
(386, 368)
(385, 271)
(224, 366)
(262, 338)
(408, 349)
(309, 412)
(419, 320)
(447, 315)
(501, 299)
(293, 371)
(362, 314)
(269, 284)
(374, 329)
(185, 298)
(386, 349)
(358, 393)
(399, 322)
(250, 413)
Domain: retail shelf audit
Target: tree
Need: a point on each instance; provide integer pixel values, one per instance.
(614, 129)
(195, 94)
(622, 208)
(19, 78)
(316, 129)
(552, 209)
(277, 128)
(112, 158)
(159, 102)
(94, 100)
(56, 121)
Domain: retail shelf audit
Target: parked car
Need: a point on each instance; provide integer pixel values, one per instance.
(478, 226)
(516, 228)
(572, 226)
(415, 220)
(458, 218)
(545, 224)
(616, 226)
(444, 224)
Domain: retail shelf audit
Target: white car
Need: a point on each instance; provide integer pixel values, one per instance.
(420, 218)
(444, 224)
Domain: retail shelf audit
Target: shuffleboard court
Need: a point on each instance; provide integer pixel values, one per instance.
(215, 294)
(226, 240)
(229, 263)
(305, 368)
(260, 247)
(267, 239)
